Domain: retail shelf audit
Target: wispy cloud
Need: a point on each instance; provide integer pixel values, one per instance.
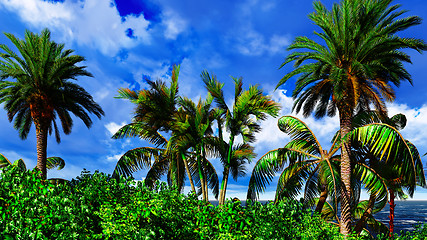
(174, 24)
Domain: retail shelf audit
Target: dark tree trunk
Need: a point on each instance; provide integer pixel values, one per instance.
(322, 199)
(362, 221)
(391, 216)
(345, 127)
(41, 134)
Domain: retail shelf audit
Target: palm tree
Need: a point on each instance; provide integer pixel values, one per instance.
(361, 59)
(43, 90)
(156, 112)
(249, 107)
(155, 108)
(395, 176)
(191, 129)
(385, 151)
(377, 147)
(311, 167)
(308, 163)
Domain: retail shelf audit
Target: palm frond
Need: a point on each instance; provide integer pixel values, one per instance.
(136, 159)
(53, 162)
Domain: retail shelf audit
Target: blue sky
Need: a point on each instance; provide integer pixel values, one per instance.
(125, 41)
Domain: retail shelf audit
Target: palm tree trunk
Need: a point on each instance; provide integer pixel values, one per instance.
(391, 216)
(199, 167)
(224, 186)
(345, 127)
(188, 172)
(41, 135)
(226, 172)
(362, 221)
(322, 199)
(205, 173)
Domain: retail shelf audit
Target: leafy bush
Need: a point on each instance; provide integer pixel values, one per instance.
(96, 206)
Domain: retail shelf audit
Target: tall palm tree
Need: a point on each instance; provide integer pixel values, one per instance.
(377, 147)
(360, 61)
(43, 90)
(155, 108)
(155, 115)
(191, 129)
(249, 107)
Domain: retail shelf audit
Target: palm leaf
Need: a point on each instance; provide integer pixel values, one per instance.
(136, 159)
(20, 164)
(387, 144)
(299, 131)
(264, 171)
(143, 131)
(4, 162)
(373, 182)
(293, 178)
(328, 212)
(53, 162)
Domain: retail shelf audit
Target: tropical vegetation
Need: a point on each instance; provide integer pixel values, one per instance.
(353, 66)
(350, 68)
(317, 170)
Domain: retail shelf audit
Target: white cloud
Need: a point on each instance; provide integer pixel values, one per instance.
(278, 43)
(40, 12)
(174, 24)
(416, 122)
(95, 23)
(114, 158)
(68, 172)
(113, 127)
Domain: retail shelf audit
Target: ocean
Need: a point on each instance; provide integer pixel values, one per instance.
(407, 214)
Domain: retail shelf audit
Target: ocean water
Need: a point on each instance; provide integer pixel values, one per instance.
(407, 214)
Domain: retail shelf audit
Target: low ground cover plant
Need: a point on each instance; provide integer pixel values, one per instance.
(97, 206)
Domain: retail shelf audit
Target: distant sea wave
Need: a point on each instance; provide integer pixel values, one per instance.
(407, 214)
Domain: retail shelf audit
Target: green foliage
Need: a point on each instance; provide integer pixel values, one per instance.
(419, 233)
(97, 206)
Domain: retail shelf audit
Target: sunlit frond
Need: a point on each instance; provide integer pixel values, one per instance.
(53, 162)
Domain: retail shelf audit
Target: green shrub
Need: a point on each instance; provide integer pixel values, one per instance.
(96, 206)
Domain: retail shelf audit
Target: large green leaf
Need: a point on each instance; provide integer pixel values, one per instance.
(143, 131)
(293, 178)
(4, 162)
(53, 162)
(136, 159)
(387, 145)
(20, 164)
(328, 212)
(374, 184)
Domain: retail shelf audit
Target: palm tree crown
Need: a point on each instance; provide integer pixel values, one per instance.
(43, 90)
